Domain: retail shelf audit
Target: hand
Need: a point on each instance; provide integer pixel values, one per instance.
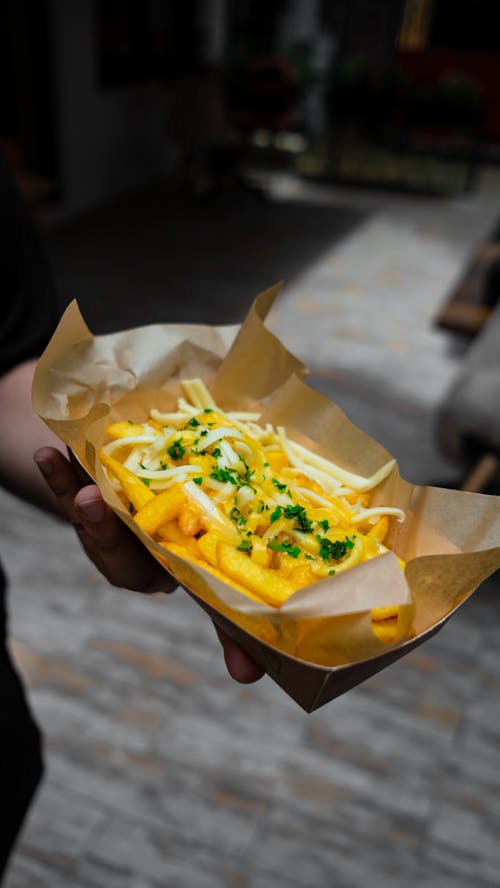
(239, 665)
(116, 552)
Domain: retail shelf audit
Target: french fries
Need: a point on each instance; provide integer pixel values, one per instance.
(244, 501)
(163, 507)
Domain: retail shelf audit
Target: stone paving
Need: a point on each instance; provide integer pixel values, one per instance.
(161, 771)
(367, 306)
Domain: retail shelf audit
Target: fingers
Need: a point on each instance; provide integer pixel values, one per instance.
(115, 550)
(239, 665)
(60, 477)
(107, 541)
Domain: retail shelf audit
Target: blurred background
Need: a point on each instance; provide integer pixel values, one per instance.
(179, 158)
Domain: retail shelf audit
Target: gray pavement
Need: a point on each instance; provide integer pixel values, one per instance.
(161, 771)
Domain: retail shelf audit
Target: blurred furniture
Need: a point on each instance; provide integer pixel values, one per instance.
(476, 295)
(468, 422)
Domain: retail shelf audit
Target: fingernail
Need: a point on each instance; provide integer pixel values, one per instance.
(92, 510)
(44, 465)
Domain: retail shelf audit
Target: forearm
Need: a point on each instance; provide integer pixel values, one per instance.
(22, 433)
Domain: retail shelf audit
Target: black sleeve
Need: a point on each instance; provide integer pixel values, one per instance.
(28, 303)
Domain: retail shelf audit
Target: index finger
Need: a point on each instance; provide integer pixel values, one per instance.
(108, 542)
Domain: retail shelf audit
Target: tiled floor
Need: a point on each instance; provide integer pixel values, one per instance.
(161, 771)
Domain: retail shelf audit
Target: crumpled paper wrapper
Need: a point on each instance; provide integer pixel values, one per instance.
(320, 643)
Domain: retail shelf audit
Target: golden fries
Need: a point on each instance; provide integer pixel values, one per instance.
(262, 581)
(162, 508)
(133, 487)
(385, 622)
(248, 504)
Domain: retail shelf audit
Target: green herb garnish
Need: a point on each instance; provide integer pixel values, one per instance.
(176, 450)
(236, 516)
(333, 551)
(223, 475)
(245, 546)
(286, 546)
(300, 515)
(276, 514)
(278, 484)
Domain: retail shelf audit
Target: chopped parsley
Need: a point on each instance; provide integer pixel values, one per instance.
(300, 515)
(248, 473)
(223, 475)
(333, 551)
(245, 546)
(176, 450)
(198, 480)
(146, 481)
(286, 546)
(325, 525)
(236, 516)
(192, 423)
(275, 515)
(278, 484)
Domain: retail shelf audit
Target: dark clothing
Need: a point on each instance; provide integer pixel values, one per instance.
(21, 763)
(28, 313)
(27, 319)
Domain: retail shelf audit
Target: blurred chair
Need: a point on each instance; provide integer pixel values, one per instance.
(473, 299)
(468, 422)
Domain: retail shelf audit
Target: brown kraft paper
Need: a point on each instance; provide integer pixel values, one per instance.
(320, 643)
